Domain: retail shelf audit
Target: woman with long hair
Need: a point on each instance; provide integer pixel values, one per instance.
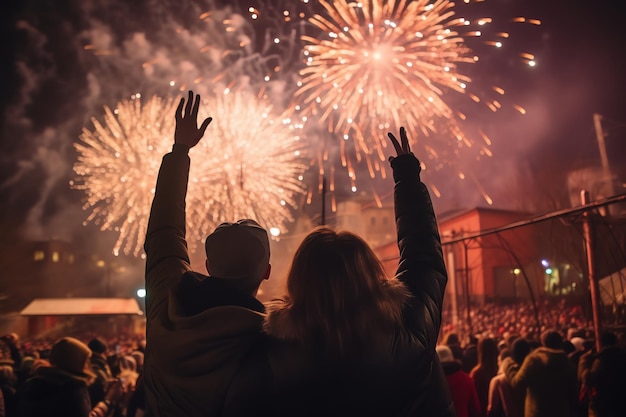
(486, 369)
(348, 340)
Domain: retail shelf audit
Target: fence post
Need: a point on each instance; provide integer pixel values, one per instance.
(591, 269)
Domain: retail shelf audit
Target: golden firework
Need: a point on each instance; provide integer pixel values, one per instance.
(247, 167)
(381, 64)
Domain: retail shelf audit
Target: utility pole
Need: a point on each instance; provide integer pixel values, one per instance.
(452, 284)
(591, 270)
(604, 159)
(467, 287)
(323, 200)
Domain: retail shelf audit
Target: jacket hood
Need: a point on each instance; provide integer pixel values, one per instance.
(206, 324)
(57, 376)
(196, 293)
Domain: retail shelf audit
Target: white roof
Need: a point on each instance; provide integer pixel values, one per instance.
(81, 307)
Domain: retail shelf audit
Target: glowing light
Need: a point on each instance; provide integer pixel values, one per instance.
(517, 271)
(245, 168)
(141, 293)
(274, 231)
(545, 263)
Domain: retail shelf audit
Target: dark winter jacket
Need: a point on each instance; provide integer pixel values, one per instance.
(52, 392)
(199, 329)
(604, 380)
(395, 373)
(100, 367)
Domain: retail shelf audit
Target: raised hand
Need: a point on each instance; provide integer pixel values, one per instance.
(400, 149)
(187, 131)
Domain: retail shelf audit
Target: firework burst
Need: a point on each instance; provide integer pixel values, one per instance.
(247, 166)
(383, 64)
(252, 168)
(116, 167)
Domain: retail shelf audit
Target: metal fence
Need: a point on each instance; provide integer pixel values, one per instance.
(570, 260)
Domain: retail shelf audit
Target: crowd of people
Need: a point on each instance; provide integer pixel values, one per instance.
(344, 340)
(555, 375)
(507, 375)
(496, 320)
(92, 377)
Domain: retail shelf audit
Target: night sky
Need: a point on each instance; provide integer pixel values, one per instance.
(52, 85)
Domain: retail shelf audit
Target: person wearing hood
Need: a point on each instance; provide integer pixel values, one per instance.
(199, 328)
(61, 388)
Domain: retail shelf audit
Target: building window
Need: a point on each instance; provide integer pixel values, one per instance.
(373, 221)
(385, 220)
(55, 256)
(70, 258)
(39, 256)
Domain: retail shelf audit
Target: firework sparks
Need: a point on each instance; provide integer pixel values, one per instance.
(269, 47)
(252, 166)
(247, 166)
(393, 62)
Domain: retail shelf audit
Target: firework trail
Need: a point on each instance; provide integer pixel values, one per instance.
(384, 64)
(247, 166)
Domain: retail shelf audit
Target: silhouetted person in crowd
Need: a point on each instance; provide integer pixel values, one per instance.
(137, 400)
(486, 369)
(548, 377)
(579, 350)
(199, 328)
(462, 388)
(470, 354)
(61, 389)
(100, 367)
(452, 341)
(8, 381)
(504, 400)
(11, 340)
(603, 378)
(350, 341)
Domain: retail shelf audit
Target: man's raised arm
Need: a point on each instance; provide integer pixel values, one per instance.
(165, 246)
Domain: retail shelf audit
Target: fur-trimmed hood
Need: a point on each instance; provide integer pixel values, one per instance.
(279, 322)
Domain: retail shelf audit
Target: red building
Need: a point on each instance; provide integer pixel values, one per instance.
(483, 268)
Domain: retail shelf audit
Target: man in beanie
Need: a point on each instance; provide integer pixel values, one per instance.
(200, 329)
(548, 377)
